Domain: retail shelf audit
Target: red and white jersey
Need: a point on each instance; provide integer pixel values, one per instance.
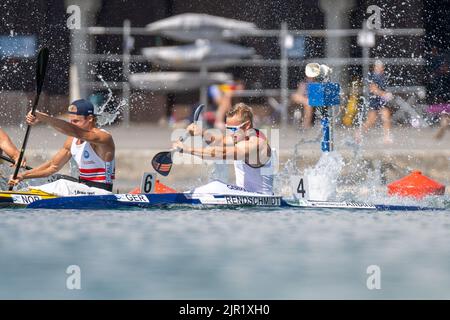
(90, 165)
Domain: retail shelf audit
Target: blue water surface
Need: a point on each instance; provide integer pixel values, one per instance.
(224, 254)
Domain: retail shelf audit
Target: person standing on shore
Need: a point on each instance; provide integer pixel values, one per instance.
(300, 97)
(378, 103)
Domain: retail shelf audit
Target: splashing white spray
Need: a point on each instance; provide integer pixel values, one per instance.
(107, 113)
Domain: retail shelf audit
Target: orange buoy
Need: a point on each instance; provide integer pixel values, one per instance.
(159, 188)
(415, 185)
(162, 188)
(136, 190)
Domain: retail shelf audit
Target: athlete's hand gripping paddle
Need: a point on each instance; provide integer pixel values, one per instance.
(51, 178)
(162, 161)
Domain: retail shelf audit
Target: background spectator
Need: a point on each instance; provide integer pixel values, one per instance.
(300, 97)
(378, 99)
(221, 99)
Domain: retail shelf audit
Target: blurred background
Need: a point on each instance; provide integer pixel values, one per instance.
(151, 62)
(160, 59)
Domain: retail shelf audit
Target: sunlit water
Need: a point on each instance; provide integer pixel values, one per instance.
(224, 254)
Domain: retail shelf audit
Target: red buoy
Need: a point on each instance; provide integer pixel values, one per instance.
(415, 185)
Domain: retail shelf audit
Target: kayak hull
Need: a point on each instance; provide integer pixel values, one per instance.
(128, 201)
(21, 199)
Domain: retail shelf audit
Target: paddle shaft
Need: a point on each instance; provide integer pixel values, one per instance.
(41, 67)
(197, 113)
(24, 144)
(7, 159)
(55, 176)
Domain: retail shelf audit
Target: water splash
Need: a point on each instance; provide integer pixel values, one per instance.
(107, 113)
(219, 171)
(282, 181)
(323, 177)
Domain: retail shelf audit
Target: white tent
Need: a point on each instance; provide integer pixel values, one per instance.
(193, 26)
(202, 52)
(176, 81)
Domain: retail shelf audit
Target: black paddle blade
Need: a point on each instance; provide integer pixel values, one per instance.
(41, 68)
(162, 163)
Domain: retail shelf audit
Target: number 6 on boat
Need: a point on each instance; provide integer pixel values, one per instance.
(148, 182)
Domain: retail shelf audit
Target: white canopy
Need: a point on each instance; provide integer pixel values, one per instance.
(177, 81)
(192, 26)
(213, 52)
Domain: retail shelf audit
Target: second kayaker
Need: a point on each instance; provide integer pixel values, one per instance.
(246, 146)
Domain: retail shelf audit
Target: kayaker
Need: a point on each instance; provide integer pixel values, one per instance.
(8, 147)
(91, 148)
(245, 145)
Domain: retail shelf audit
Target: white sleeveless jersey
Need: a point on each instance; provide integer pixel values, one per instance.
(90, 165)
(255, 179)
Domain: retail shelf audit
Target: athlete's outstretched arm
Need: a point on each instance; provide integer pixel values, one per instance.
(93, 136)
(241, 151)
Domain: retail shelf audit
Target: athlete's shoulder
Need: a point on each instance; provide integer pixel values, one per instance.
(104, 137)
(256, 134)
(102, 132)
(68, 143)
